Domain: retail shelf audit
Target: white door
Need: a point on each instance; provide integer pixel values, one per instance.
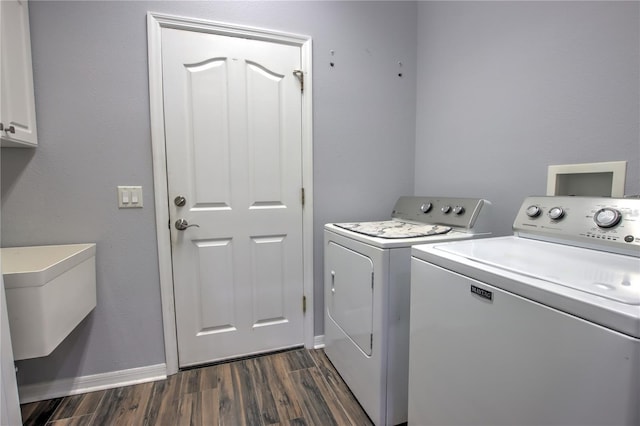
(233, 140)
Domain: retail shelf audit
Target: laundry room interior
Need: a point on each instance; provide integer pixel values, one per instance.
(462, 99)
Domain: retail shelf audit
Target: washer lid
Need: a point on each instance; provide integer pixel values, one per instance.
(612, 276)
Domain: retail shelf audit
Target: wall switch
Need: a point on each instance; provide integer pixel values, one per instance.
(129, 197)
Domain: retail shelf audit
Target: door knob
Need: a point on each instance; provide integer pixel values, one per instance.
(182, 224)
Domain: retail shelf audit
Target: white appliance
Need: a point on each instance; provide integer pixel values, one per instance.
(538, 328)
(367, 286)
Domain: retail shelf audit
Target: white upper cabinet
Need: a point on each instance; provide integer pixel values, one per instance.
(17, 109)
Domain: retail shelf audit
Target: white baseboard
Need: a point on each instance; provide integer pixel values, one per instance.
(318, 342)
(95, 382)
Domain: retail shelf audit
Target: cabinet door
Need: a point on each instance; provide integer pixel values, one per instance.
(18, 103)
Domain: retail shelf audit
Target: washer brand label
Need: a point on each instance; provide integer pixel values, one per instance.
(486, 294)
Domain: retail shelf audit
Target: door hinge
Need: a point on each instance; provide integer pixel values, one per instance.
(304, 304)
(302, 196)
(300, 75)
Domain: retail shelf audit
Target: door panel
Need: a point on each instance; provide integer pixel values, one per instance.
(268, 255)
(216, 296)
(233, 141)
(206, 109)
(264, 94)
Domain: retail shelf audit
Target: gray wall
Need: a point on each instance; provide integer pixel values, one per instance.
(507, 88)
(503, 88)
(90, 72)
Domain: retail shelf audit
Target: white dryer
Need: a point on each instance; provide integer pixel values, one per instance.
(542, 327)
(367, 284)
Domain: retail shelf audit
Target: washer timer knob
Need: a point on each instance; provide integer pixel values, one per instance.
(556, 213)
(607, 217)
(446, 209)
(458, 210)
(533, 211)
(426, 207)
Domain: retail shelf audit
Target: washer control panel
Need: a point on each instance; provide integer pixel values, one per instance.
(609, 224)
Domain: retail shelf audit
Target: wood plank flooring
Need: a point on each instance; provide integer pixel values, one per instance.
(298, 387)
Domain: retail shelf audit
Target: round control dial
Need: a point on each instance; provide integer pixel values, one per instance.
(446, 209)
(533, 211)
(556, 213)
(426, 207)
(607, 217)
(458, 210)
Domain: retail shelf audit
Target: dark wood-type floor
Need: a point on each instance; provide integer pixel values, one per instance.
(298, 387)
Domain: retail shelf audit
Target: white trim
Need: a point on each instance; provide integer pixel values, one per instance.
(618, 170)
(92, 383)
(318, 342)
(160, 193)
(9, 402)
(155, 23)
(307, 183)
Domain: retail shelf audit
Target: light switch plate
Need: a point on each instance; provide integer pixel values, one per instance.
(129, 197)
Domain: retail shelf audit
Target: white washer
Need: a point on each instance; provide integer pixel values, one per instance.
(367, 286)
(539, 328)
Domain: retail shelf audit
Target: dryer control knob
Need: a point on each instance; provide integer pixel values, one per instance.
(458, 210)
(533, 211)
(446, 209)
(556, 213)
(426, 207)
(607, 217)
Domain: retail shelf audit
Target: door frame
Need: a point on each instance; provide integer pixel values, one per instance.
(155, 23)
